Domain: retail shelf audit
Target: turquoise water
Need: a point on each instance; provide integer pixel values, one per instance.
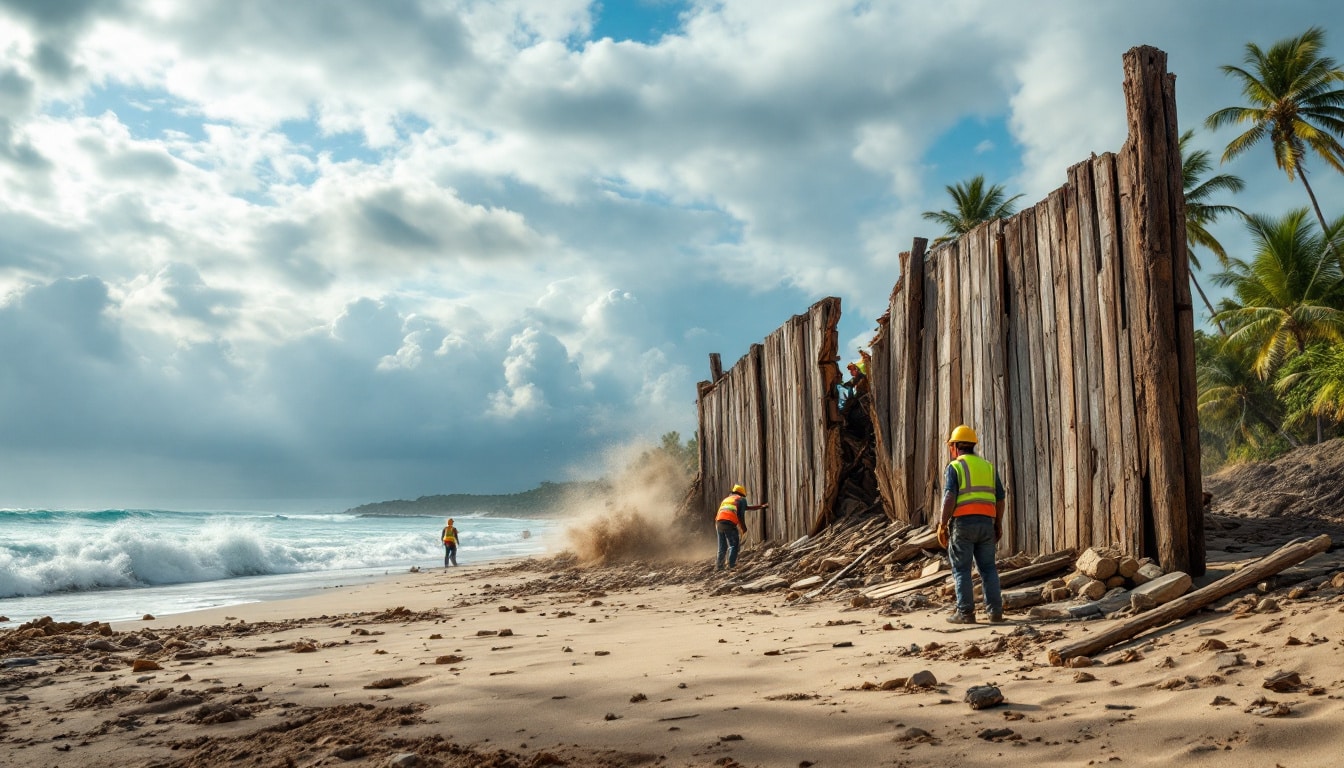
(114, 565)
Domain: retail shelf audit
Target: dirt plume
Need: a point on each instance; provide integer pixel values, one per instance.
(637, 519)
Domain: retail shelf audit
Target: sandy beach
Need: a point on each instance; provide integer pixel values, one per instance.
(537, 662)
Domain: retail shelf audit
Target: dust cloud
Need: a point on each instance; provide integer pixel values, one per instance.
(637, 519)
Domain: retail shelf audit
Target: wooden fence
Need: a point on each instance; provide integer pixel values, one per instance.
(1064, 336)
(772, 424)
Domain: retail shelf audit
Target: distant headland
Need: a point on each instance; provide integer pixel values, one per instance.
(542, 501)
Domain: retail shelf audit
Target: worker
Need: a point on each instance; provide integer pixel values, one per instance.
(731, 525)
(972, 522)
(864, 360)
(857, 383)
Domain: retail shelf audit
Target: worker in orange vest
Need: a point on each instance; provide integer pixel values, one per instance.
(730, 524)
(972, 523)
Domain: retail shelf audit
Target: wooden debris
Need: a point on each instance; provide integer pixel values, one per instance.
(1286, 556)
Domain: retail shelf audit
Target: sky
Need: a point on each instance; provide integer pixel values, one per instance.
(266, 253)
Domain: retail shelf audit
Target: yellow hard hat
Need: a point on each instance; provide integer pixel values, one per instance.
(963, 434)
(739, 490)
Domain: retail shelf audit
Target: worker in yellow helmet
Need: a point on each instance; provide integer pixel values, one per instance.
(730, 523)
(972, 521)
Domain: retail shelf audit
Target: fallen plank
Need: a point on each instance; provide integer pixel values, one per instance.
(1284, 557)
(900, 529)
(1057, 561)
(899, 588)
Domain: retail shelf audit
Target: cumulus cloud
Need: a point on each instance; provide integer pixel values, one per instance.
(411, 246)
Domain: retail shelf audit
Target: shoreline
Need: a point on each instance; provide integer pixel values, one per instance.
(536, 662)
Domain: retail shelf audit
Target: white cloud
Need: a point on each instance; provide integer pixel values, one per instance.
(372, 244)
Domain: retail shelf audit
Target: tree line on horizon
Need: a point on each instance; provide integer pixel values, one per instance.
(1271, 370)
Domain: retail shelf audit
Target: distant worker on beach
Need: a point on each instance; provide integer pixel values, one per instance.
(449, 537)
(730, 523)
(972, 523)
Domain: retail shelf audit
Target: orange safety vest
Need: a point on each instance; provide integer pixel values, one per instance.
(728, 510)
(450, 535)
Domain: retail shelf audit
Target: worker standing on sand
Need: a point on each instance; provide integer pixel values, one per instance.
(972, 521)
(730, 524)
(449, 537)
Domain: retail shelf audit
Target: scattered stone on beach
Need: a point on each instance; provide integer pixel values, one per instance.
(404, 760)
(303, 647)
(1212, 644)
(1079, 662)
(1268, 708)
(1220, 701)
(1231, 659)
(486, 632)
(504, 609)
(995, 734)
(393, 682)
(147, 617)
(349, 752)
(638, 697)
(144, 665)
(450, 658)
(983, 696)
(601, 653)
(1283, 682)
(921, 679)
(915, 734)
(101, 644)
(506, 633)
(1267, 605)
(611, 716)
(1083, 677)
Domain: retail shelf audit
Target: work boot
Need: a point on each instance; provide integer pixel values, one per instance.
(996, 617)
(961, 618)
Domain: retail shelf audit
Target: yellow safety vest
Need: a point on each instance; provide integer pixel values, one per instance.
(450, 535)
(976, 490)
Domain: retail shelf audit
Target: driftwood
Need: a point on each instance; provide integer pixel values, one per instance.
(1284, 557)
(900, 529)
(900, 588)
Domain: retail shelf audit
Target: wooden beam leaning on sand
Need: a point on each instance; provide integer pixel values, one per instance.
(1286, 556)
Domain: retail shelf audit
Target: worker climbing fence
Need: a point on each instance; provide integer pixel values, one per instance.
(1064, 336)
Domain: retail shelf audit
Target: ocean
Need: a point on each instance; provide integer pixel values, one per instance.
(119, 564)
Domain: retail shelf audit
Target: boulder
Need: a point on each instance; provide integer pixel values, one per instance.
(1127, 567)
(921, 679)
(1163, 589)
(983, 696)
(1146, 573)
(1097, 563)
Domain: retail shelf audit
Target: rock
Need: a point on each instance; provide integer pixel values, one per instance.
(921, 679)
(1283, 682)
(915, 734)
(451, 658)
(1141, 602)
(1230, 659)
(860, 601)
(990, 734)
(1083, 677)
(1088, 587)
(101, 645)
(1337, 581)
(404, 760)
(1115, 599)
(1219, 701)
(1079, 662)
(972, 652)
(983, 696)
(1146, 573)
(1046, 612)
(1127, 567)
(1163, 589)
(349, 752)
(144, 665)
(147, 617)
(1212, 644)
(1268, 605)
(1097, 564)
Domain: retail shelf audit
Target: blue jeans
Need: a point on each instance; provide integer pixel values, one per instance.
(972, 538)
(729, 540)
(449, 554)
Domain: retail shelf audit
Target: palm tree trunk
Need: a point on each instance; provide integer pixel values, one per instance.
(1320, 217)
(1212, 315)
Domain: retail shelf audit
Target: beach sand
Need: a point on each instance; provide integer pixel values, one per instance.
(534, 663)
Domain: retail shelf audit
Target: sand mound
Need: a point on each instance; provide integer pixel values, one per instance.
(1305, 483)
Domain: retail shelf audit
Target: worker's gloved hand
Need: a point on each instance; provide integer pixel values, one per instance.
(942, 535)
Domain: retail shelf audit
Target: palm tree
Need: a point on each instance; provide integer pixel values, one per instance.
(975, 204)
(1199, 212)
(1314, 380)
(1295, 101)
(1232, 397)
(1289, 295)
